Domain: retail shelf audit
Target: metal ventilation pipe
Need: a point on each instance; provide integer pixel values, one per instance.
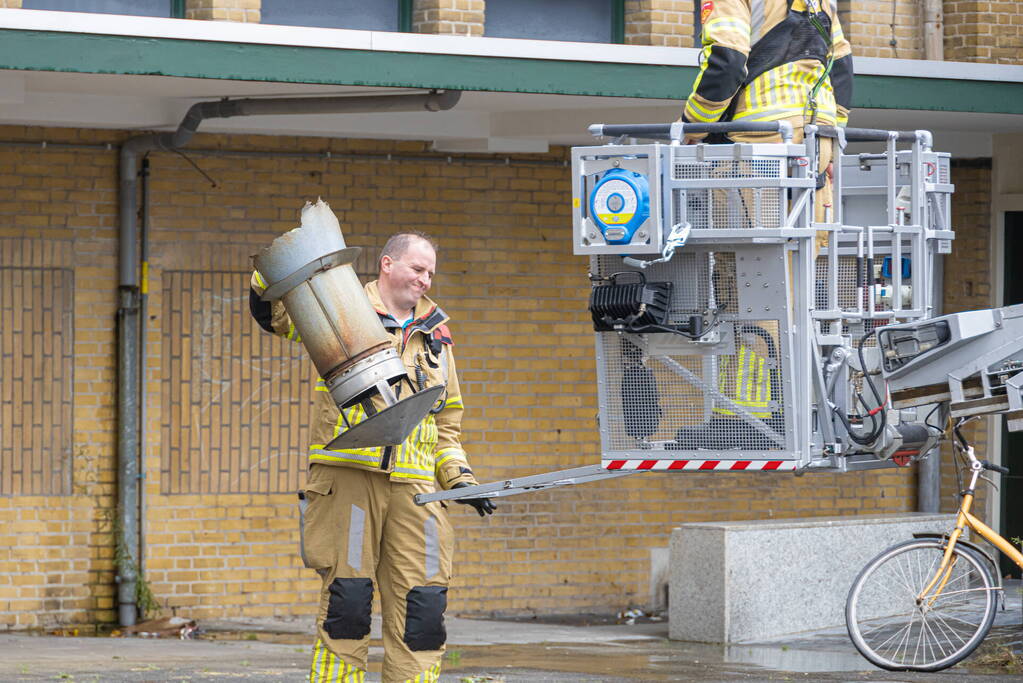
(309, 270)
(128, 312)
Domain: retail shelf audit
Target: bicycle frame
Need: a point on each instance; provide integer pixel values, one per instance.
(965, 519)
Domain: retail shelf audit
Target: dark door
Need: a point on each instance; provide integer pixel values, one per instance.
(1012, 442)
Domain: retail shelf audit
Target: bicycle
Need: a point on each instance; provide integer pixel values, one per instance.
(927, 603)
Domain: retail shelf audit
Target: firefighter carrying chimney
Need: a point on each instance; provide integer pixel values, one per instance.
(362, 531)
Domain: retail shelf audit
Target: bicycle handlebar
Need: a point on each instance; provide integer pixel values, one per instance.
(991, 466)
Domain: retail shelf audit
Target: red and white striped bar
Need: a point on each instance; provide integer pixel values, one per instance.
(701, 465)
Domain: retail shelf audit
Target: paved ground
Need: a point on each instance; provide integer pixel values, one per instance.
(492, 652)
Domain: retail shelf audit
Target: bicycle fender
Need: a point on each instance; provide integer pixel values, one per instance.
(996, 573)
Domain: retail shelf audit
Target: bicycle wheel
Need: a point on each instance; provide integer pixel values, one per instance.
(895, 631)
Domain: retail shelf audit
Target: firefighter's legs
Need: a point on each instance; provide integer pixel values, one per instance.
(823, 199)
(415, 567)
(343, 523)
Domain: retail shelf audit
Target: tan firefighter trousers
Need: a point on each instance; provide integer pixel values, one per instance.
(365, 534)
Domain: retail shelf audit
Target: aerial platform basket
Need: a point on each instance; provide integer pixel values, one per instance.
(728, 316)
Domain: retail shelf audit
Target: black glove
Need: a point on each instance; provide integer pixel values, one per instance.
(484, 506)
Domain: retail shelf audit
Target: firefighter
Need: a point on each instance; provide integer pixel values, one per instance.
(774, 60)
(361, 530)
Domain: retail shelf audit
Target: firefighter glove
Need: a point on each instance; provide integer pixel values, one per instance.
(484, 506)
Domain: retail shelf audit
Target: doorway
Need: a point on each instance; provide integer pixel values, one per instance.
(1012, 442)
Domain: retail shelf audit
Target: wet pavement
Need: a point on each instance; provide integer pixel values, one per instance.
(487, 651)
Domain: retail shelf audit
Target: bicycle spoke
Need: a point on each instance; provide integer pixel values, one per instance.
(930, 634)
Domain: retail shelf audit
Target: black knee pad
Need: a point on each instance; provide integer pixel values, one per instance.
(348, 613)
(424, 617)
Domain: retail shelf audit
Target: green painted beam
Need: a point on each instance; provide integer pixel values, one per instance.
(84, 53)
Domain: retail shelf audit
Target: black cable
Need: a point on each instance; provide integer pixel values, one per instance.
(877, 427)
(870, 383)
(664, 328)
(927, 420)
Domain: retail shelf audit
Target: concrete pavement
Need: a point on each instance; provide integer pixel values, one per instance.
(579, 649)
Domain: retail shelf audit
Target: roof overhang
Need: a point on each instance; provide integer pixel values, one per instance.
(100, 70)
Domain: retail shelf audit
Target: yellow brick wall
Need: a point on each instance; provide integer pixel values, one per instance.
(454, 17)
(872, 25)
(659, 22)
(10, 4)
(984, 31)
(967, 287)
(224, 10)
(517, 297)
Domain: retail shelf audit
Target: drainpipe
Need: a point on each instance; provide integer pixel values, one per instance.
(129, 295)
(934, 47)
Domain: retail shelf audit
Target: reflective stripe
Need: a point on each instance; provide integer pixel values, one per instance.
(453, 402)
(756, 8)
(725, 24)
(356, 527)
(783, 92)
(431, 675)
(329, 668)
(752, 387)
(407, 473)
(259, 279)
(446, 454)
(431, 538)
(703, 113)
(321, 454)
(444, 365)
(321, 385)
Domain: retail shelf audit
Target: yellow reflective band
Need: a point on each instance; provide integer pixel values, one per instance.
(705, 111)
(409, 475)
(259, 279)
(694, 115)
(454, 402)
(292, 334)
(725, 24)
(447, 454)
(321, 385)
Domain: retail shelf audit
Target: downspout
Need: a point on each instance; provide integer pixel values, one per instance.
(928, 473)
(934, 39)
(129, 294)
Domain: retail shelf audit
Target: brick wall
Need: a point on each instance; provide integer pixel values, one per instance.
(224, 545)
(967, 287)
(984, 31)
(454, 17)
(659, 22)
(224, 10)
(10, 4)
(872, 25)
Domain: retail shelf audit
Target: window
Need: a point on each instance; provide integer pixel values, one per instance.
(382, 15)
(143, 8)
(591, 21)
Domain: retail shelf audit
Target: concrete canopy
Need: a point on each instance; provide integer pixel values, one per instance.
(106, 71)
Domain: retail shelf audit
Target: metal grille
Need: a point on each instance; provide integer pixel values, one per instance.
(729, 208)
(236, 401)
(689, 402)
(37, 371)
(654, 398)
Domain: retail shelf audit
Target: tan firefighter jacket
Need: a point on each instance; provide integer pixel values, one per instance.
(433, 451)
(761, 59)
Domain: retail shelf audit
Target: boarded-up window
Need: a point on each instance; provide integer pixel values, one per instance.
(36, 372)
(236, 401)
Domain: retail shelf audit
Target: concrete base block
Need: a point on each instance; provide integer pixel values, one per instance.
(734, 582)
